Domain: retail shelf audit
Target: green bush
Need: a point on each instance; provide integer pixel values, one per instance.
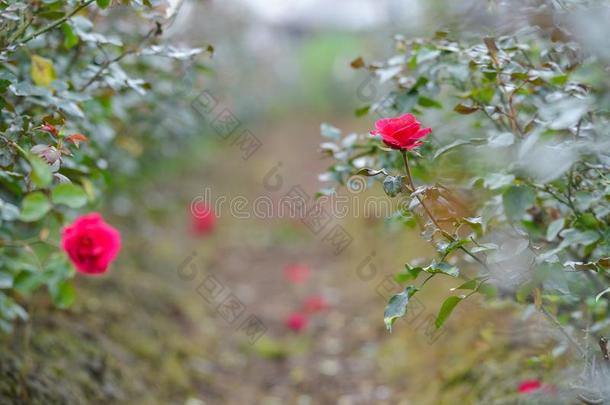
(82, 86)
(512, 187)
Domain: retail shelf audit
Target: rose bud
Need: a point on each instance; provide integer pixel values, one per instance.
(50, 129)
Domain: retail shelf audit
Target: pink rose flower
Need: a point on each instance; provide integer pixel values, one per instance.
(203, 219)
(297, 273)
(91, 244)
(402, 132)
(315, 303)
(296, 321)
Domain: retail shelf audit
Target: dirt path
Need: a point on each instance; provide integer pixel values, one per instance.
(158, 330)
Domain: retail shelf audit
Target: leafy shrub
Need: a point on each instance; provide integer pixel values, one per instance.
(512, 186)
(82, 86)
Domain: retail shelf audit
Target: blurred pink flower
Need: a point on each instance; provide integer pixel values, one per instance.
(528, 386)
(203, 219)
(296, 321)
(315, 303)
(297, 273)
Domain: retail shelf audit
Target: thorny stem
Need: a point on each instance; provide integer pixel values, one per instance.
(431, 216)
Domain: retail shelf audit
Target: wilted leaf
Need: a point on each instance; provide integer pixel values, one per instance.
(357, 63)
(464, 109)
(42, 71)
(76, 139)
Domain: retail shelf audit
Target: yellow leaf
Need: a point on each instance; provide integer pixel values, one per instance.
(43, 72)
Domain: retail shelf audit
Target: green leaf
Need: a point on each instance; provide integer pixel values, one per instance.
(409, 274)
(428, 102)
(501, 140)
(495, 181)
(362, 111)
(34, 207)
(483, 94)
(268, 348)
(103, 3)
(554, 228)
(443, 268)
(575, 237)
(453, 246)
(70, 38)
(63, 294)
(468, 285)
(6, 280)
(450, 146)
(517, 199)
(397, 306)
(446, 310)
(328, 131)
(69, 194)
(598, 296)
(28, 281)
(41, 172)
(559, 80)
(488, 290)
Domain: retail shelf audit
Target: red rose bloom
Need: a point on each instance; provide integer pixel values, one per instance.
(402, 132)
(91, 244)
(529, 386)
(203, 219)
(296, 321)
(315, 303)
(297, 273)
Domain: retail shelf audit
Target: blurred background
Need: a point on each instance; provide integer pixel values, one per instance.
(208, 317)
